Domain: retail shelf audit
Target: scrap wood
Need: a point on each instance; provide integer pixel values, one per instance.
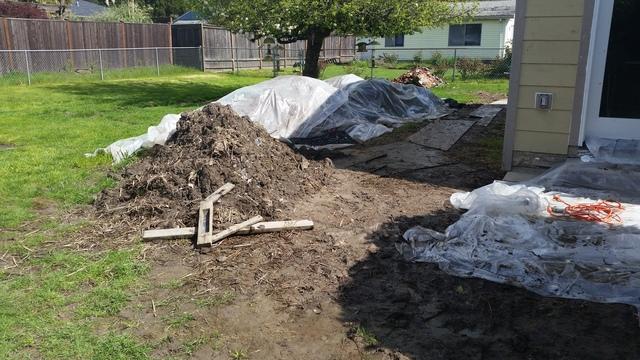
(259, 228)
(234, 229)
(205, 213)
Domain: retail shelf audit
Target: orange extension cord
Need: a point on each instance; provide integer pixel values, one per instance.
(603, 211)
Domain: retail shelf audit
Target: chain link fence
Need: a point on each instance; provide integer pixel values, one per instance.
(33, 66)
(451, 64)
(448, 63)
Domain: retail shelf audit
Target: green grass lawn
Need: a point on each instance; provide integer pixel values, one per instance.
(56, 302)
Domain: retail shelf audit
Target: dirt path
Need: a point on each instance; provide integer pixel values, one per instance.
(342, 291)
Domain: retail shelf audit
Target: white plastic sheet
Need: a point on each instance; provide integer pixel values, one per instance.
(158, 134)
(342, 81)
(302, 107)
(507, 236)
(287, 106)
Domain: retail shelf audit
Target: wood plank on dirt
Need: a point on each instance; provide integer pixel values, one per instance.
(259, 228)
(486, 113)
(234, 229)
(205, 220)
(205, 214)
(441, 134)
(220, 192)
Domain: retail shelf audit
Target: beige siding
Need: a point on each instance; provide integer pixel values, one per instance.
(557, 143)
(491, 42)
(562, 97)
(550, 54)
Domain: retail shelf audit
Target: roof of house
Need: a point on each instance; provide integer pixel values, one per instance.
(496, 9)
(190, 17)
(85, 8)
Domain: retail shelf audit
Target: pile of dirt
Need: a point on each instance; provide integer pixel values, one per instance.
(419, 76)
(210, 147)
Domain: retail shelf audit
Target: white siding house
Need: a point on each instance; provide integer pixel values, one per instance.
(483, 37)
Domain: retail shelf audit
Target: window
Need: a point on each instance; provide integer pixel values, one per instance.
(394, 41)
(465, 35)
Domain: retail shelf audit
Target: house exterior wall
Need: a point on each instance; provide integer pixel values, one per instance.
(492, 42)
(550, 55)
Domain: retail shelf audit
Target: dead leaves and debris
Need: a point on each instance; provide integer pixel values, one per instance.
(419, 76)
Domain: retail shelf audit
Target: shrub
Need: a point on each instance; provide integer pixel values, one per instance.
(501, 66)
(127, 12)
(389, 60)
(440, 64)
(21, 10)
(417, 58)
(357, 67)
(471, 67)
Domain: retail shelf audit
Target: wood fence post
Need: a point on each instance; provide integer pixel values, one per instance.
(67, 26)
(5, 26)
(123, 37)
(170, 27)
(260, 56)
(233, 67)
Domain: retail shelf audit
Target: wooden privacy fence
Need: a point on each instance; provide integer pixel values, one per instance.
(35, 45)
(58, 45)
(224, 50)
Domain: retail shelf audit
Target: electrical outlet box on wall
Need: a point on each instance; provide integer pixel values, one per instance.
(544, 101)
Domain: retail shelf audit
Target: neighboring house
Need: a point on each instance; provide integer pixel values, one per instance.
(82, 8)
(580, 52)
(484, 37)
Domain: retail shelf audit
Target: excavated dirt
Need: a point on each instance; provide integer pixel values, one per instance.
(212, 146)
(341, 290)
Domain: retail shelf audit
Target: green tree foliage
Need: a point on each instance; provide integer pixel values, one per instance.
(314, 20)
(166, 10)
(127, 11)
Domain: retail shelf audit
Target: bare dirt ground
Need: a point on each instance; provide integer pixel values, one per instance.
(341, 291)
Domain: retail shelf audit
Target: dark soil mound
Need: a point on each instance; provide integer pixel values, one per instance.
(212, 146)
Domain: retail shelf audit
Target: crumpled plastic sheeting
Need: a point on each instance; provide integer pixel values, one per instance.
(507, 236)
(155, 135)
(287, 106)
(615, 151)
(380, 102)
(303, 107)
(342, 81)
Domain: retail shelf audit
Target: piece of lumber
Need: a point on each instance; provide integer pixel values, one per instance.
(205, 214)
(216, 195)
(273, 226)
(234, 229)
(258, 228)
(205, 220)
(168, 234)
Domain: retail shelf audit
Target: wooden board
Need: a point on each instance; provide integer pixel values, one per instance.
(259, 228)
(441, 134)
(486, 113)
(205, 220)
(234, 229)
(205, 215)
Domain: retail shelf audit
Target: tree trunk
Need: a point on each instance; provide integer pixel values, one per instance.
(314, 46)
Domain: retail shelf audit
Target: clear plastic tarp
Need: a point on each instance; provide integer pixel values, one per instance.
(616, 151)
(158, 134)
(508, 236)
(303, 107)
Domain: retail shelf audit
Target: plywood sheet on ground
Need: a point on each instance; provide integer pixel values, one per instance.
(486, 113)
(394, 158)
(441, 134)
